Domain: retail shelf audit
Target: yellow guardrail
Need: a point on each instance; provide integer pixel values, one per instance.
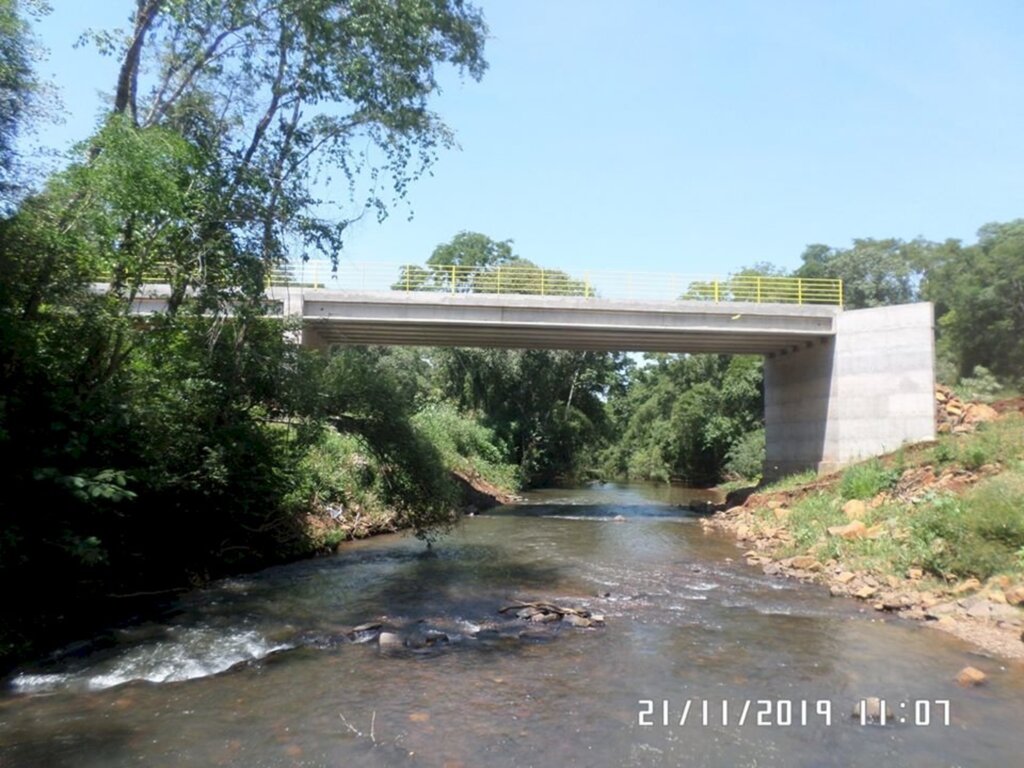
(530, 280)
(606, 284)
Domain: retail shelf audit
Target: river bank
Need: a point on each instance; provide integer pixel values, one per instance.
(931, 533)
(319, 528)
(329, 526)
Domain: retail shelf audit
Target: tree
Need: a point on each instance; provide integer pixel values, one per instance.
(682, 415)
(474, 263)
(978, 292)
(874, 272)
(18, 88)
(290, 92)
(212, 166)
(545, 406)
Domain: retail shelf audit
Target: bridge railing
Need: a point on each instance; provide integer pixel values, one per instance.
(535, 281)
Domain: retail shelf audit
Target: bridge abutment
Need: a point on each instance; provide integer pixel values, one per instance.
(863, 392)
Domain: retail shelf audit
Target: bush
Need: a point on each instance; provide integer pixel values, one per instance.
(335, 470)
(996, 511)
(980, 386)
(465, 444)
(862, 481)
(746, 457)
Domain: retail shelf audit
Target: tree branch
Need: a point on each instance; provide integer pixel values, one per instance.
(128, 77)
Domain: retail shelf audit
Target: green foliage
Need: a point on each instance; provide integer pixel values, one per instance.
(474, 263)
(682, 415)
(996, 507)
(789, 482)
(811, 517)
(874, 272)
(978, 292)
(466, 445)
(18, 87)
(547, 407)
(745, 458)
(997, 442)
(362, 399)
(979, 534)
(980, 386)
(866, 480)
(163, 453)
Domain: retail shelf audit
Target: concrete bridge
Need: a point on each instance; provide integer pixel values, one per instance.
(839, 385)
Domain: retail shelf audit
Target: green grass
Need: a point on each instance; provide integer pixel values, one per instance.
(866, 480)
(791, 482)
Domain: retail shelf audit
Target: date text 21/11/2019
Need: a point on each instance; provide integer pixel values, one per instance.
(790, 712)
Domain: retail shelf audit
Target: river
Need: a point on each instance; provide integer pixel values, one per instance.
(258, 671)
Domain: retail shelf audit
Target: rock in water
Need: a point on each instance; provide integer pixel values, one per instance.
(364, 633)
(544, 618)
(869, 710)
(970, 676)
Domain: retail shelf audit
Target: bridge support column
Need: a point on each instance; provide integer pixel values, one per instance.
(293, 305)
(863, 392)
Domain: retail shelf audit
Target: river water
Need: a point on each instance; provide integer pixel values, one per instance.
(258, 670)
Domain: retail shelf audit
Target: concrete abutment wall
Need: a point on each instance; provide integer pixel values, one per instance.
(863, 392)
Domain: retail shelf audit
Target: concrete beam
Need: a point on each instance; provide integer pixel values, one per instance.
(434, 319)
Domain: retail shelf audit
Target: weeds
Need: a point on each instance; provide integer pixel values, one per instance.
(979, 534)
(863, 481)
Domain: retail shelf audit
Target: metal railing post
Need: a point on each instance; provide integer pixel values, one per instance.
(799, 290)
(715, 284)
(453, 278)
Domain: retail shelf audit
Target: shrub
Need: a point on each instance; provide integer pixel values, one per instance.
(465, 444)
(996, 511)
(746, 457)
(981, 385)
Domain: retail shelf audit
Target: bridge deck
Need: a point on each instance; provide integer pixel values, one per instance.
(436, 319)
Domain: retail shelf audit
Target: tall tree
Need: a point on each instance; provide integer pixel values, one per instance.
(874, 272)
(978, 292)
(17, 88)
(472, 262)
(682, 414)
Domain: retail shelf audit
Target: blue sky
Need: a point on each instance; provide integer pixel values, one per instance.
(693, 137)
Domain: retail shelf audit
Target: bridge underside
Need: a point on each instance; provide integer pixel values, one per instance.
(529, 322)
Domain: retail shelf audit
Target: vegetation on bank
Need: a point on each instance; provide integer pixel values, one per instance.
(942, 513)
